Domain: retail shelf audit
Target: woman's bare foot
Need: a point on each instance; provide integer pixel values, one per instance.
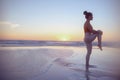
(100, 47)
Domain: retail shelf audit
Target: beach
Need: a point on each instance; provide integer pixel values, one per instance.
(58, 63)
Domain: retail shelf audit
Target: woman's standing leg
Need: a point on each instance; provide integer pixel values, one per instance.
(89, 51)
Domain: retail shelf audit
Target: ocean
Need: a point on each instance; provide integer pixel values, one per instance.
(56, 60)
(22, 43)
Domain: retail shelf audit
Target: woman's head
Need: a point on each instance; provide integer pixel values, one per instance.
(88, 15)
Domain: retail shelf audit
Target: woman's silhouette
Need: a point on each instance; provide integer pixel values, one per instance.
(90, 36)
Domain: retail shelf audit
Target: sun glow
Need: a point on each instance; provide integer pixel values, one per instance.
(64, 38)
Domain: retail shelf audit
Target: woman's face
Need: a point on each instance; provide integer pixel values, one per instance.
(90, 18)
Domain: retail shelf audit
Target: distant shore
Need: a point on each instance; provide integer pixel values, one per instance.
(20, 43)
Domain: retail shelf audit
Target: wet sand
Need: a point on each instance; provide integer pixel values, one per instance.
(58, 63)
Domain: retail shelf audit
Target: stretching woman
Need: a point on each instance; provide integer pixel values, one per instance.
(90, 36)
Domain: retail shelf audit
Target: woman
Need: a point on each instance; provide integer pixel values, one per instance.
(90, 36)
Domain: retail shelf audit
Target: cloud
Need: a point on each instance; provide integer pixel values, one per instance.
(5, 24)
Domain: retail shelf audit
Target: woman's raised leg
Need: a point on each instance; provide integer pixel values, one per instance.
(100, 39)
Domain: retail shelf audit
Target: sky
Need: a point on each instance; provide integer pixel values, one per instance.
(59, 20)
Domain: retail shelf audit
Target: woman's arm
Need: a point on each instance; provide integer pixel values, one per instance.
(88, 27)
(92, 30)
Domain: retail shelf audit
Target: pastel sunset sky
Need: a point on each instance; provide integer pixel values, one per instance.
(57, 19)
